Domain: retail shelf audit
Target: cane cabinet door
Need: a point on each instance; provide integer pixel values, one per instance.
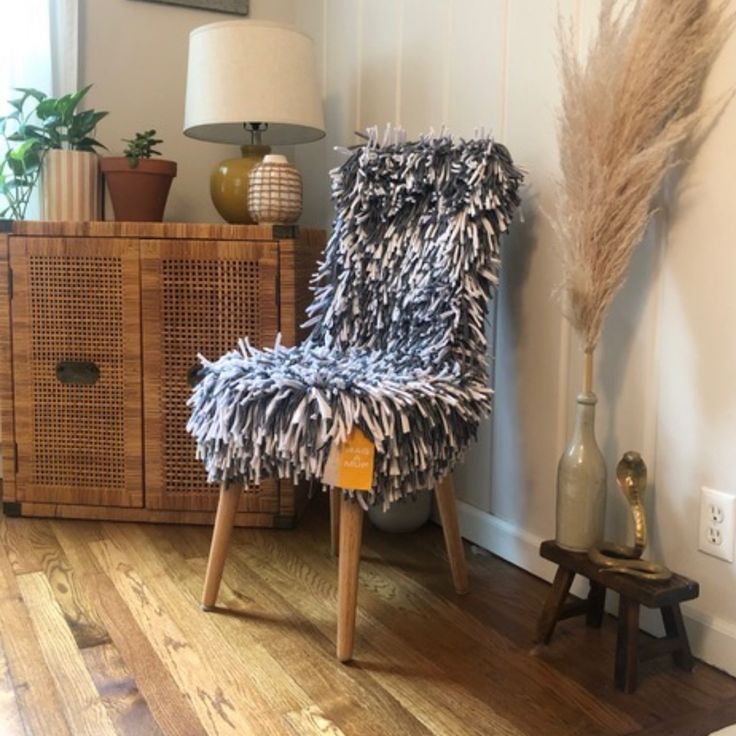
(198, 297)
(77, 370)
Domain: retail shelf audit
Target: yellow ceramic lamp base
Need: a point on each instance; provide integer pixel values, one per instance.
(229, 184)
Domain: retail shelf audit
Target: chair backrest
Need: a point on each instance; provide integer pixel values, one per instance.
(414, 250)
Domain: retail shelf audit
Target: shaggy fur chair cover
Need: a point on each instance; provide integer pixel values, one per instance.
(398, 344)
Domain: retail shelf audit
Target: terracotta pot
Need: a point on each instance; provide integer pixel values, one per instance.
(70, 186)
(138, 194)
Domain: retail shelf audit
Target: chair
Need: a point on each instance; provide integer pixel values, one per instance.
(397, 348)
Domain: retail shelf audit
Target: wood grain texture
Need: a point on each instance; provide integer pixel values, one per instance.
(427, 661)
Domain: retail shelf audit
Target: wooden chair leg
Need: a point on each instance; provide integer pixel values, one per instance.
(226, 508)
(335, 495)
(445, 494)
(351, 534)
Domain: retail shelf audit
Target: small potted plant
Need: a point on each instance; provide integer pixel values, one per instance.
(53, 142)
(139, 184)
(70, 174)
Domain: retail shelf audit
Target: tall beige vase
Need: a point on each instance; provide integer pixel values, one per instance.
(581, 483)
(71, 187)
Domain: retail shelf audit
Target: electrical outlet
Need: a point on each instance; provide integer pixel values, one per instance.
(717, 518)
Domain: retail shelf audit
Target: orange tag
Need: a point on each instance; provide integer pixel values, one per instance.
(350, 465)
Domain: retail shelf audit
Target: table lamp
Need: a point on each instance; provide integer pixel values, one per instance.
(250, 83)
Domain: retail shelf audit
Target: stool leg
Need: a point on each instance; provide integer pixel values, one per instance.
(596, 605)
(627, 660)
(675, 628)
(445, 494)
(226, 508)
(553, 605)
(351, 534)
(335, 494)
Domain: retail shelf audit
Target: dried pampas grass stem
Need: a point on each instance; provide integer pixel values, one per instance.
(625, 111)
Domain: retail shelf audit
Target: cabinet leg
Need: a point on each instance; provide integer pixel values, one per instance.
(627, 660)
(226, 508)
(675, 628)
(596, 605)
(553, 605)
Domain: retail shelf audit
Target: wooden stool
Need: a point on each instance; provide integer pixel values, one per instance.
(633, 593)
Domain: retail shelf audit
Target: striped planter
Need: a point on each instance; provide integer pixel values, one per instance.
(71, 186)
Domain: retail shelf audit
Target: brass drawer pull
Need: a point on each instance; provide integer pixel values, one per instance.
(194, 375)
(77, 372)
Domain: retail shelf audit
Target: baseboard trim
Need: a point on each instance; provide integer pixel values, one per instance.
(712, 639)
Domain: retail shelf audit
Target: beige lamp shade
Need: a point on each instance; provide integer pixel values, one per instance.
(246, 71)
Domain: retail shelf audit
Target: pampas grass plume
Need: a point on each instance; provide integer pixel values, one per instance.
(625, 111)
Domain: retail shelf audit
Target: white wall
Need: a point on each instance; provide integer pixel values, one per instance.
(665, 363)
(135, 54)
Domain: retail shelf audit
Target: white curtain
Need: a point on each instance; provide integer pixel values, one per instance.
(39, 49)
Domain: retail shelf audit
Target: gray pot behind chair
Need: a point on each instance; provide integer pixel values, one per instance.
(406, 515)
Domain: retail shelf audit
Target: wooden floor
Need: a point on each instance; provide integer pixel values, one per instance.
(101, 634)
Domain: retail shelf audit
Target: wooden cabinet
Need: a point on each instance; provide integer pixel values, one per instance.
(100, 327)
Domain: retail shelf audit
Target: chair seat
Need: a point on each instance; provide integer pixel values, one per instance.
(276, 412)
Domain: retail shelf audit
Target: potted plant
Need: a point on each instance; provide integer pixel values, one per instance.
(139, 184)
(70, 180)
(20, 161)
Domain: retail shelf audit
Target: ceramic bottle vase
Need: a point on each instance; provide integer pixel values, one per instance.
(581, 483)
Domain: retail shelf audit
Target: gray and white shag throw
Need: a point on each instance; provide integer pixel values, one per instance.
(398, 344)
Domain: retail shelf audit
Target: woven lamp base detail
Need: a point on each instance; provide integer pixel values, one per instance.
(275, 191)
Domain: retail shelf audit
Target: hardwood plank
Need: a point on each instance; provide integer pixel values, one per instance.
(216, 705)
(125, 705)
(168, 704)
(245, 676)
(512, 600)
(311, 721)
(39, 702)
(83, 709)
(11, 721)
(418, 684)
(259, 619)
(457, 652)
(427, 661)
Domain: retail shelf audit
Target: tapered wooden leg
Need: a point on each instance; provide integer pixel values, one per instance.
(351, 535)
(335, 494)
(226, 508)
(453, 541)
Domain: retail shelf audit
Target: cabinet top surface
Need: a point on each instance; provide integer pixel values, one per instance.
(169, 230)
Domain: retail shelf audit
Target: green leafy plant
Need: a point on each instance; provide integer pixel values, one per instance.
(141, 146)
(28, 132)
(61, 126)
(22, 156)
